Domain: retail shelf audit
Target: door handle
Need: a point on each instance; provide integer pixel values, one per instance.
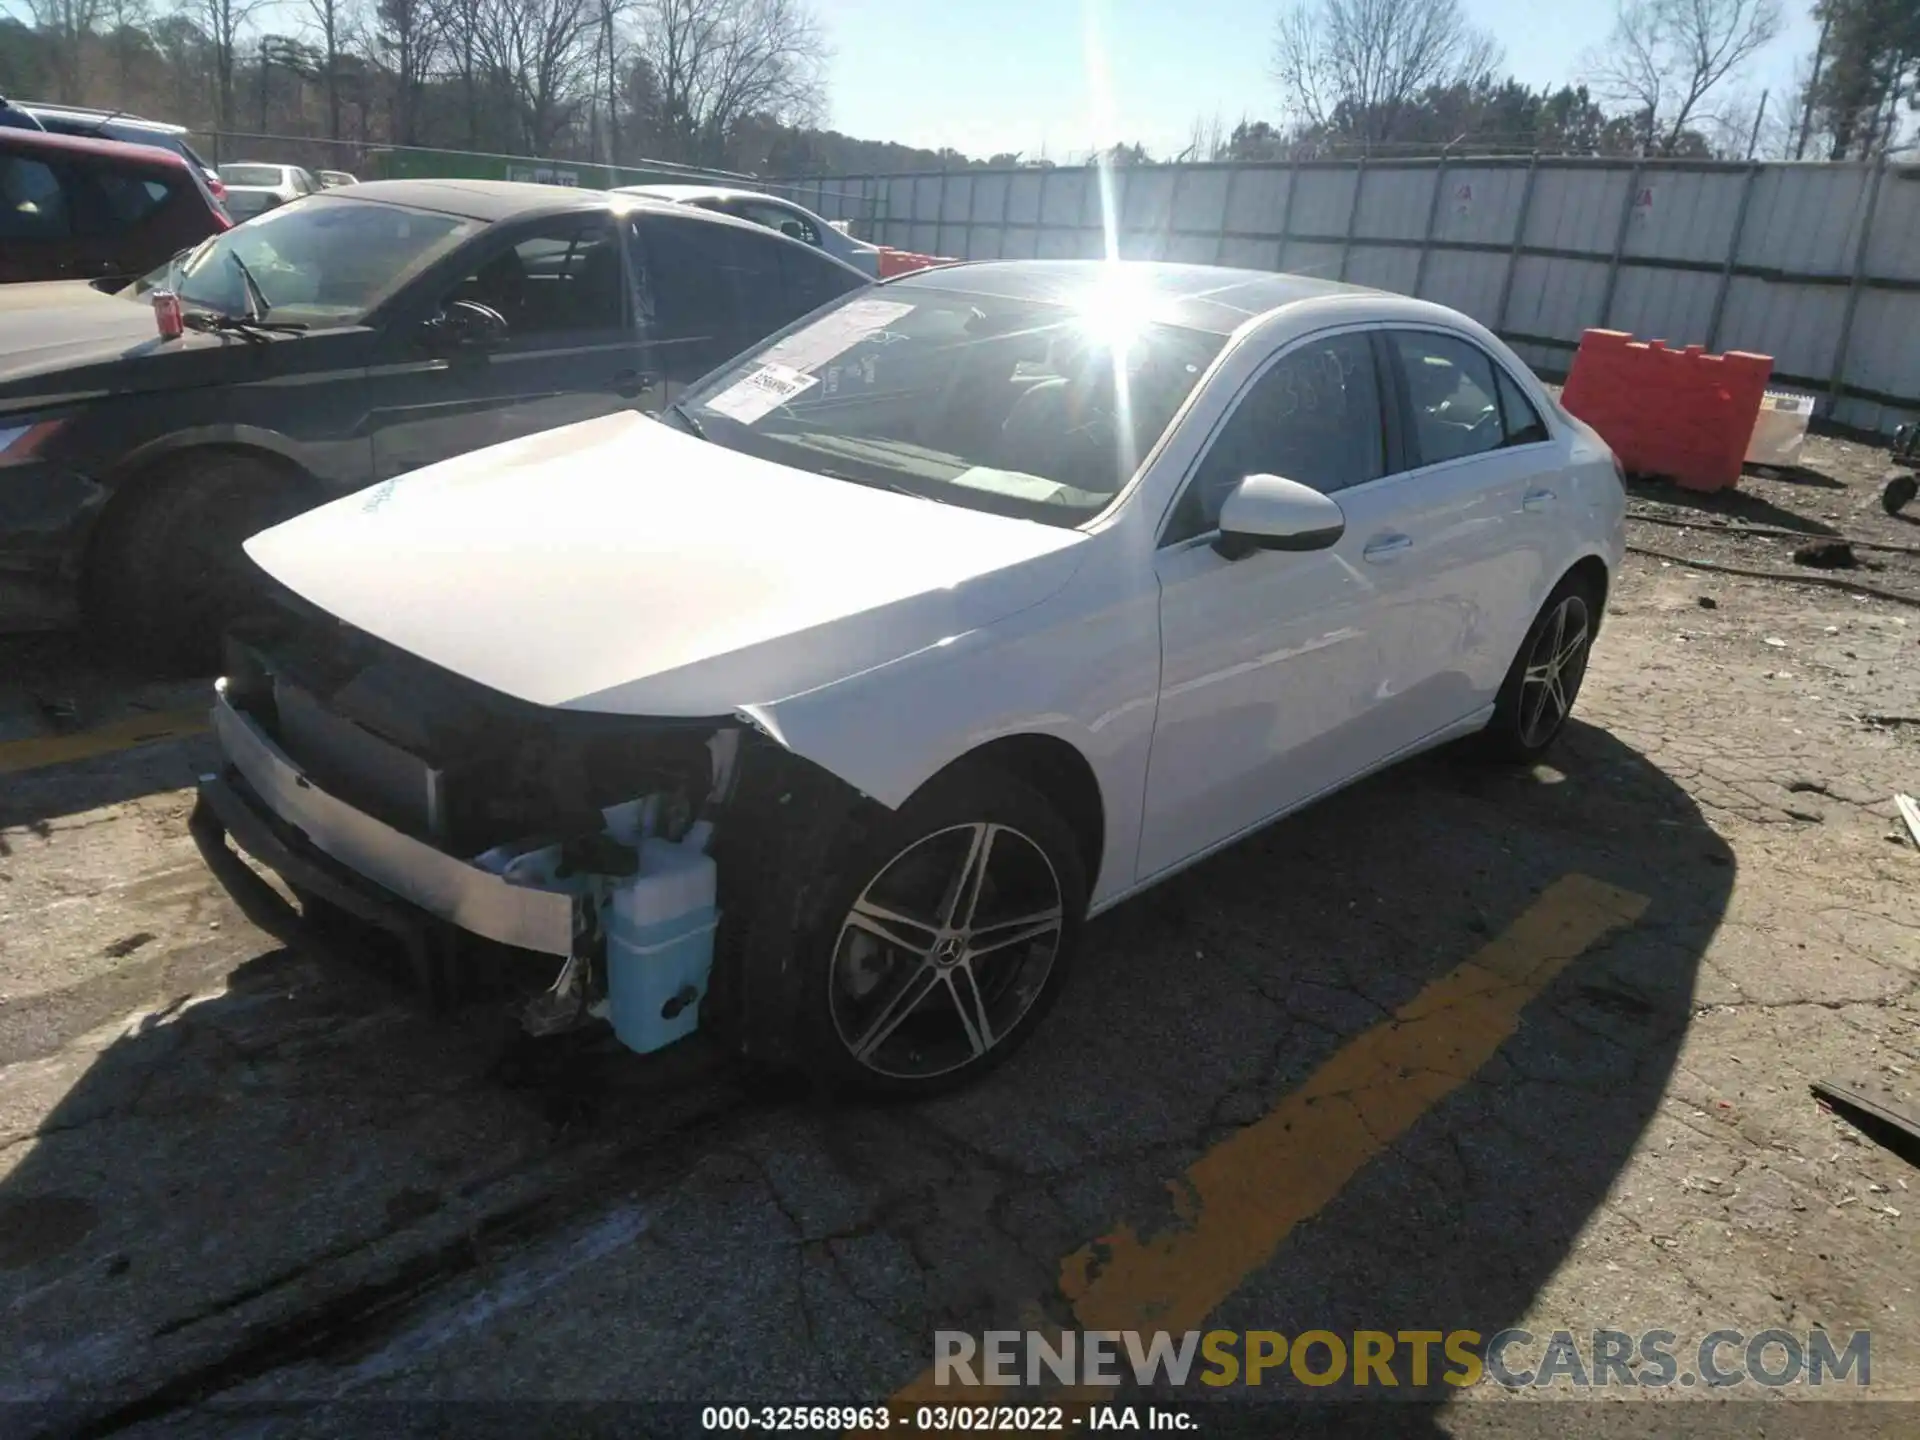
(1386, 546)
(631, 383)
(1537, 499)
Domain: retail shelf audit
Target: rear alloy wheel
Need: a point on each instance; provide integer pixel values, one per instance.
(1539, 692)
(952, 929)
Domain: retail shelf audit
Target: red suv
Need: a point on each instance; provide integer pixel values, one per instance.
(84, 209)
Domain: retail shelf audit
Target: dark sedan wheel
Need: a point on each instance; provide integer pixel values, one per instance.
(168, 574)
(1540, 689)
(946, 938)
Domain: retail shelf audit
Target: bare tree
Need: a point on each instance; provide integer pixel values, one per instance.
(405, 40)
(332, 23)
(224, 22)
(543, 52)
(67, 25)
(1354, 65)
(1666, 57)
(715, 62)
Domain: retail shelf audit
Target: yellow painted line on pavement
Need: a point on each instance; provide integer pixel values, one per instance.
(1242, 1198)
(41, 750)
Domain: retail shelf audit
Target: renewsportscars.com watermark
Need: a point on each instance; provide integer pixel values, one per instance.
(1516, 1359)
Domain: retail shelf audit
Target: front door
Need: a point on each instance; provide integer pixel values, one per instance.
(571, 350)
(1271, 665)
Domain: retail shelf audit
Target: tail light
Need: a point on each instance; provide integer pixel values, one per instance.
(218, 187)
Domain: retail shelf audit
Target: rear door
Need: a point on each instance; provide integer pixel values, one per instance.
(126, 218)
(36, 218)
(1479, 492)
(571, 351)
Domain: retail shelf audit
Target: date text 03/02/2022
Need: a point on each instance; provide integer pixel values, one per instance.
(942, 1419)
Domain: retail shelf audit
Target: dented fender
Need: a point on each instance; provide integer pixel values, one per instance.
(1084, 668)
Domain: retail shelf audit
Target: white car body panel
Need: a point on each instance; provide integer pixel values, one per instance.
(622, 566)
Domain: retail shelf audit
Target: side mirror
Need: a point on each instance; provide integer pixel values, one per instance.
(1266, 512)
(465, 325)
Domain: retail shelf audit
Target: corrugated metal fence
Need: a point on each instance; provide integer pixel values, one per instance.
(1815, 265)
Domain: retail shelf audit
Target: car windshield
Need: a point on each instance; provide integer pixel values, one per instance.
(251, 174)
(323, 260)
(1037, 410)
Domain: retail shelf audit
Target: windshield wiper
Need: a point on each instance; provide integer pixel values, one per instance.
(247, 325)
(680, 412)
(257, 304)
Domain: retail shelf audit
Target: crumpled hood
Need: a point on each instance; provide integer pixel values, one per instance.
(622, 566)
(53, 334)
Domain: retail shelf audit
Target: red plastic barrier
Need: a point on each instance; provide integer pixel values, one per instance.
(1684, 414)
(900, 262)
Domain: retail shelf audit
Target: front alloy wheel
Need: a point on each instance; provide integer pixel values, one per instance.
(945, 951)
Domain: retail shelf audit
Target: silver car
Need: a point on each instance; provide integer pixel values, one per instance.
(255, 189)
(795, 221)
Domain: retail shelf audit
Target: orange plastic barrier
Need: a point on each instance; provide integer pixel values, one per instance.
(900, 262)
(1684, 414)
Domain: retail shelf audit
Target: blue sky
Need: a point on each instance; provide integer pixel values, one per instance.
(992, 75)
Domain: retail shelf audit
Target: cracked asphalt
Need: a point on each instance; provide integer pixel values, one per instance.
(1458, 1049)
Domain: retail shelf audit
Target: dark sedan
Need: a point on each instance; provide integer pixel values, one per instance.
(336, 341)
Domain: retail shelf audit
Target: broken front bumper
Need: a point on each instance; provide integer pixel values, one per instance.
(323, 845)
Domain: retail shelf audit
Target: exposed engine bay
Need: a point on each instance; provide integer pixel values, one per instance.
(598, 841)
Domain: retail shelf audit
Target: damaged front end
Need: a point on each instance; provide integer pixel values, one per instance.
(450, 814)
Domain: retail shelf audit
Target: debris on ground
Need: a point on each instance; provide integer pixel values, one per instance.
(1707, 602)
(1910, 812)
(1877, 1112)
(1826, 555)
(1900, 489)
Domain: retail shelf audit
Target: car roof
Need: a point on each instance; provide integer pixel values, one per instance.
(83, 112)
(152, 156)
(682, 194)
(497, 200)
(1214, 298)
(481, 199)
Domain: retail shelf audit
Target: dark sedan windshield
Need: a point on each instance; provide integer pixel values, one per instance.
(323, 260)
(1019, 407)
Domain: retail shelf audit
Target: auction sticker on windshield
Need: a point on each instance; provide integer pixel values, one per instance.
(765, 390)
(834, 334)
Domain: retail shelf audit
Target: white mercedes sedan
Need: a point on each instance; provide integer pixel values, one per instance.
(820, 712)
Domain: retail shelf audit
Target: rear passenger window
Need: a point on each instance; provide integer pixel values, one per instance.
(1313, 417)
(114, 201)
(33, 206)
(1452, 396)
(1520, 420)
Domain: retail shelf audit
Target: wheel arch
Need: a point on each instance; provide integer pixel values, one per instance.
(138, 472)
(1591, 572)
(1063, 775)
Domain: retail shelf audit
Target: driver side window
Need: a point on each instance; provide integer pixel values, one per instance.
(1452, 396)
(1314, 417)
(564, 279)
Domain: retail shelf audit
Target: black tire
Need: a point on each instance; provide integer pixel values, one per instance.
(1033, 869)
(167, 574)
(1899, 492)
(1538, 694)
